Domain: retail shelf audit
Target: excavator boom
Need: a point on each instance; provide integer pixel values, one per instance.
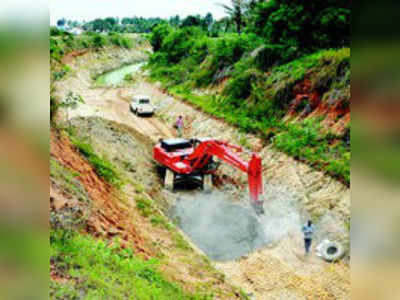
(228, 153)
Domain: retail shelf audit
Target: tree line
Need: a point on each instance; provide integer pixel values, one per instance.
(145, 25)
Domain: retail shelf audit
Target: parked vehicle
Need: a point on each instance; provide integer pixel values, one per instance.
(141, 105)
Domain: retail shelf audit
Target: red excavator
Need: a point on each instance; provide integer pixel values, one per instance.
(184, 158)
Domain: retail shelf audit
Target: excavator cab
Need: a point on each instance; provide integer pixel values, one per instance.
(171, 145)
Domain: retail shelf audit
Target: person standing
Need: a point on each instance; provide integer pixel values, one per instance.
(308, 231)
(179, 125)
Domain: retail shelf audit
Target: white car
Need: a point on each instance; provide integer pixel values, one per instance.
(141, 105)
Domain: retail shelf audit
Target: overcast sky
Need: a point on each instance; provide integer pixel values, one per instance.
(91, 9)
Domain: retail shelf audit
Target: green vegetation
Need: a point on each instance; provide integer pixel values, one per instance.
(101, 271)
(102, 167)
(62, 42)
(147, 209)
(60, 74)
(260, 66)
(71, 102)
(145, 205)
(69, 180)
(161, 221)
(145, 25)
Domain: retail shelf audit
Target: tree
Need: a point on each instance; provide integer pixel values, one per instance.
(98, 25)
(225, 24)
(109, 23)
(208, 21)
(61, 22)
(192, 21)
(71, 101)
(302, 24)
(158, 34)
(175, 21)
(236, 12)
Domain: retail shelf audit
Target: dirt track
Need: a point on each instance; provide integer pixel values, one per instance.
(280, 272)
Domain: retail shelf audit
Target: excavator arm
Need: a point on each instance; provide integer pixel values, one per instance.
(228, 153)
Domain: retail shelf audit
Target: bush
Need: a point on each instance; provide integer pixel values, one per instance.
(240, 87)
(178, 43)
(120, 41)
(271, 55)
(98, 41)
(231, 47)
(324, 24)
(126, 43)
(158, 35)
(144, 205)
(200, 49)
(128, 77)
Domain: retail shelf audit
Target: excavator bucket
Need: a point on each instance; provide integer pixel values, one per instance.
(255, 183)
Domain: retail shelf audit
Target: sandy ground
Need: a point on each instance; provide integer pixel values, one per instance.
(280, 271)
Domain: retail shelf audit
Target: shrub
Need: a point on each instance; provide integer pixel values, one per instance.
(144, 205)
(270, 55)
(120, 41)
(98, 41)
(200, 49)
(126, 43)
(178, 43)
(240, 87)
(158, 35)
(231, 47)
(128, 77)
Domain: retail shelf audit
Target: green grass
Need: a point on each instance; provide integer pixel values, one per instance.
(180, 242)
(68, 179)
(99, 271)
(145, 205)
(159, 220)
(103, 168)
(306, 141)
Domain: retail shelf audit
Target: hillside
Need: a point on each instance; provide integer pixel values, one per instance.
(108, 238)
(301, 107)
(259, 82)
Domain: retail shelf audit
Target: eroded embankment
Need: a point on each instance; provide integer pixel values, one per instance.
(80, 197)
(224, 230)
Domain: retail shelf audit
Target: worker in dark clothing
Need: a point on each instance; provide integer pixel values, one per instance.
(308, 231)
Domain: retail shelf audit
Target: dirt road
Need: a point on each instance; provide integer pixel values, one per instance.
(113, 104)
(277, 272)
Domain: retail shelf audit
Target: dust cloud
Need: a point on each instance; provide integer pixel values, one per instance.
(227, 230)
